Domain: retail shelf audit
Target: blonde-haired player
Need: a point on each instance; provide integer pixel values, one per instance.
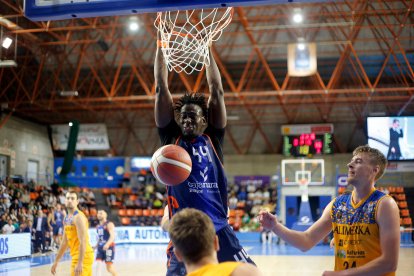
(75, 237)
(365, 223)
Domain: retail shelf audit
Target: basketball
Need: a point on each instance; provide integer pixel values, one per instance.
(171, 165)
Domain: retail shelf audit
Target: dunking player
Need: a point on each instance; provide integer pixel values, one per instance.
(75, 237)
(105, 245)
(365, 223)
(199, 129)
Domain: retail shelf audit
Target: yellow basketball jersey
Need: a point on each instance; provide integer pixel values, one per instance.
(221, 269)
(72, 236)
(355, 230)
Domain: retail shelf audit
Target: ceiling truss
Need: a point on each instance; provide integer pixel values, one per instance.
(365, 65)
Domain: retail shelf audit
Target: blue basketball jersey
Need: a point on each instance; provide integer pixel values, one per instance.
(103, 233)
(58, 218)
(206, 187)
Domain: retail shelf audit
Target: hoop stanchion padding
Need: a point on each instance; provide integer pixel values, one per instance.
(186, 36)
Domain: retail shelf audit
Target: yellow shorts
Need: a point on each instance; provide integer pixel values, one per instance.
(86, 266)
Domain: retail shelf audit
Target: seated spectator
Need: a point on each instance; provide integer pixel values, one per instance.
(128, 202)
(157, 204)
(266, 195)
(111, 199)
(13, 215)
(52, 201)
(25, 227)
(55, 187)
(233, 201)
(3, 205)
(62, 197)
(25, 199)
(91, 195)
(3, 220)
(6, 199)
(16, 225)
(9, 227)
(258, 197)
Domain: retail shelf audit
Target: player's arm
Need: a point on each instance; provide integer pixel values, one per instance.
(216, 107)
(62, 249)
(388, 219)
(302, 240)
(97, 240)
(80, 223)
(164, 112)
(165, 221)
(50, 219)
(111, 230)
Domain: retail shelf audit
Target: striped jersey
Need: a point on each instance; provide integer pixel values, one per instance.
(355, 230)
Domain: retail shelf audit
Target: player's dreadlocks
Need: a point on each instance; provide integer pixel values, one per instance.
(195, 98)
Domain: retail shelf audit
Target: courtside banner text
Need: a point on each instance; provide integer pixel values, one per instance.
(15, 245)
(90, 137)
(131, 234)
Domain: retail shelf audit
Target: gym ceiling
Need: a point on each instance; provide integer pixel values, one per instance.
(365, 58)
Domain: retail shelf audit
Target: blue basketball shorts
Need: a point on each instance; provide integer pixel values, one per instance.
(105, 255)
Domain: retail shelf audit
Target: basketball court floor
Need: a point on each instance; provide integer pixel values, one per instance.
(143, 260)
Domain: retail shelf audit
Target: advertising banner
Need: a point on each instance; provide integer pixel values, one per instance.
(132, 234)
(15, 245)
(256, 180)
(90, 137)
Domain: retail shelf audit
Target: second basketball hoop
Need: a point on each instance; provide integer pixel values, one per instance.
(186, 35)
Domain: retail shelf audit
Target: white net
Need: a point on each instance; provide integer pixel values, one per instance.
(186, 36)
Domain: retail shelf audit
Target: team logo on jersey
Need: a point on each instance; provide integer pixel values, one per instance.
(204, 174)
(199, 187)
(341, 254)
(352, 230)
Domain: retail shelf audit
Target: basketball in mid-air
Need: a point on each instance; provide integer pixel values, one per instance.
(171, 165)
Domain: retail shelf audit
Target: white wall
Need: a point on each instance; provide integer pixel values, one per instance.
(22, 141)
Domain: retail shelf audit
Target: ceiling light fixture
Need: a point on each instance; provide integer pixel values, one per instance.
(297, 16)
(301, 46)
(7, 41)
(8, 63)
(133, 23)
(73, 93)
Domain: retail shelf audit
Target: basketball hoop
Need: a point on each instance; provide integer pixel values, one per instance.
(303, 181)
(186, 36)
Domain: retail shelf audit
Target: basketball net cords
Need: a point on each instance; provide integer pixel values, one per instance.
(185, 48)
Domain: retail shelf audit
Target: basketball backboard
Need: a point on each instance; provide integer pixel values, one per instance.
(44, 10)
(297, 171)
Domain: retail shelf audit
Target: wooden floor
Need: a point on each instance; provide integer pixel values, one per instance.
(150, 260)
